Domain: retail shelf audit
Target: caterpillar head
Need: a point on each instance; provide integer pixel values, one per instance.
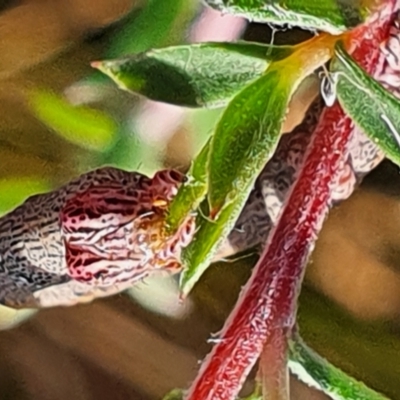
(94, 237)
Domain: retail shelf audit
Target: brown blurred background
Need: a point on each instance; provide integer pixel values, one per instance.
(141, 345)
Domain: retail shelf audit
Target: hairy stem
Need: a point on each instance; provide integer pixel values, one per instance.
(269, 299)
(272, 369)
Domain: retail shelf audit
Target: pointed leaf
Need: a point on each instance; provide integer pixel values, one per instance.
(333, 16)
(248, 131)
(243, 142)
(199, 75)
(317, 372)
(256, 114)
(246, 137)
(83, 126)
(14, 190)
(192, 191)
(369, 104)
(175, 394)
(152, 27)
(267, 98)
(178, 394)
(209, 236)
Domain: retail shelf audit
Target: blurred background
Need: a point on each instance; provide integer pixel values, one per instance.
(60, 118)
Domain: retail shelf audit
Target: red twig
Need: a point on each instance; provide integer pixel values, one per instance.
(269, 300)
(273, 373)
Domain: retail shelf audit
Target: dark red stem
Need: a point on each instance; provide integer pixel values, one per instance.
(269, 299)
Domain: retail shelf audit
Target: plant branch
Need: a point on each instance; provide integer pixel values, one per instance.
(269, 299)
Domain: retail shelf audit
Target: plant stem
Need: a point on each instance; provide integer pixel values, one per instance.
(269, 299)
(272, 368)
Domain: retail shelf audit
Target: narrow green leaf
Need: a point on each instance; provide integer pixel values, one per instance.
(157, 23)
(175, 394)
(244, 140)
(197, 256)
(246, 137)
(151, 27)
(191, 193)
(83, 126)
(178, 394)
(10, 317)
(368, 103)
(257, 393)
(368, 350)
(315, 371)
(333, 16)
(198, 75)
(14, 190)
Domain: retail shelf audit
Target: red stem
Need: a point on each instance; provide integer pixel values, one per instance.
(273, 372)
(269, 299)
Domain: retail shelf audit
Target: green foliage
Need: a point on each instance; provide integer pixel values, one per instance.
(255, 82)
(368, 103)
(139, 32)
(257, 395)
(176, 394)
(15, 190)
(367, 349)
(198, 75)
(243, 141)
(83, 126)
(192, 191)
(246, 136)
(317, 372)
(334, 16)
(159, 22)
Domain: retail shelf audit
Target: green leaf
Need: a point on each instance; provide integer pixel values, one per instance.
(197, 75)
(368, 103)
(152, 27)
(243, 142)
(368, 350)
(178, 394)
(246, 136)
(10, 317)
(175, 394)
(191, 193)
(83, 126)
(315, 371)
(15, 190)
(257, 393)
(333, 16)
(197, 256)
(158, 23)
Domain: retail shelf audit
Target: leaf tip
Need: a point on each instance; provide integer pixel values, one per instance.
(96, 64)
(105, 67)
(185, 285)
(213, 213)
